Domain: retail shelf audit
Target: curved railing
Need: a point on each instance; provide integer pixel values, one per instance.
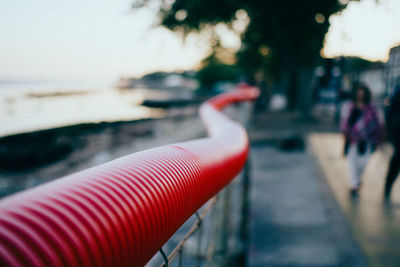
(122, 212)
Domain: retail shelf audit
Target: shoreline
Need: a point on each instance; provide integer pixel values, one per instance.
(29, 159)
(25, 112)
(33, 149)
(16, 150)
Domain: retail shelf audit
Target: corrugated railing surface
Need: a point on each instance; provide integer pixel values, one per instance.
(122, 212)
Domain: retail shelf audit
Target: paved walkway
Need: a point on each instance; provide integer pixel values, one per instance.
(294, 222)
(295, 218)
(376, 224)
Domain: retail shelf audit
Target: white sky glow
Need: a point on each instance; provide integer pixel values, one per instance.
(103, 39)
(366, 29)
(91, 39)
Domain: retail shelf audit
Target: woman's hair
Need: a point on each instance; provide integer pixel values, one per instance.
(367, 93)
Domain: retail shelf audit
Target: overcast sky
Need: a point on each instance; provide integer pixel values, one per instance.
(365, 29)
(102, 39)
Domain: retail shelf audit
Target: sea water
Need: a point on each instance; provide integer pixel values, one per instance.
(26, 107)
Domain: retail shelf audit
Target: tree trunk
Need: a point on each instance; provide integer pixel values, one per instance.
(305, 86)
(292, 89)
(299, 93)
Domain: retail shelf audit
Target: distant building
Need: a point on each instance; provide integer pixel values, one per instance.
(370, 73)
(327, 82)
(374, 78)
(161, 80)
(393, 69)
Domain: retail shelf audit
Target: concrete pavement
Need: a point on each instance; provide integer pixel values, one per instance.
(295, 218)
(376, 224)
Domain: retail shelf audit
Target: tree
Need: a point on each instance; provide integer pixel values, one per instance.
(283, 37)
(214, 71)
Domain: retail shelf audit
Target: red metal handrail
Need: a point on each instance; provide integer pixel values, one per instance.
(122, 212)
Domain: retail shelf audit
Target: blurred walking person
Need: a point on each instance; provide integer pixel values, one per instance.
(362, 130)
(393, 129)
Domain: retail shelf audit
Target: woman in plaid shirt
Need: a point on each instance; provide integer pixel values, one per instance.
(363, 132)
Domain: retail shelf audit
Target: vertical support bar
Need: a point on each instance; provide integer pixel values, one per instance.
(180, 257)
(199, 241)
(164, 257)
(242, 259)
(245, 213)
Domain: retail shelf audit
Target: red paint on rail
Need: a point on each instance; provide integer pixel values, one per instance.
(122, 212)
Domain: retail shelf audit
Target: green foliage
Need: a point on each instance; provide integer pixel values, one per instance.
(282, 36)
(290, 31)
(199, 13)
(156, 76)
(214, 71)
(293, 31)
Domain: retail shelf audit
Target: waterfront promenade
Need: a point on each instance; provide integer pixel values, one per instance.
(374, 222)
(302, 214)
